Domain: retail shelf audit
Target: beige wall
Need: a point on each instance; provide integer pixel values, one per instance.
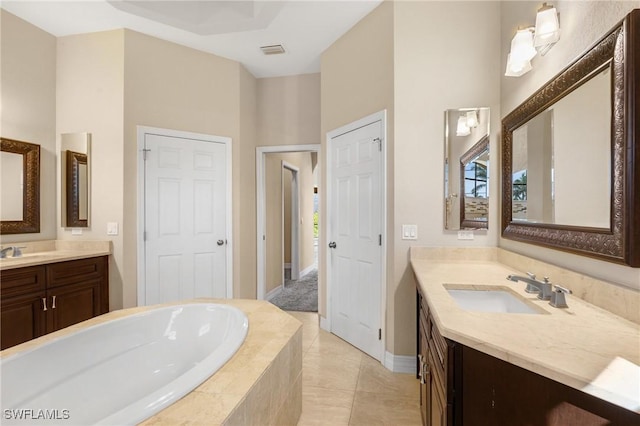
(582, 24)
(90, 76)
(389, 60)
(28, 99)
(203, 97)
(289, 110)
(274, 212)
(357, 80)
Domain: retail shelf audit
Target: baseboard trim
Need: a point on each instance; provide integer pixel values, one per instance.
(325, 324)
(400, 363)
(306, 270)
(273, 293)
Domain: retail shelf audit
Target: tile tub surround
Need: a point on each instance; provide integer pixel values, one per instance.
(572, 346)
(261, 384)
(51, 251)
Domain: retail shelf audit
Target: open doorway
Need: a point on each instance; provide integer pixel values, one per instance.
(287, 203)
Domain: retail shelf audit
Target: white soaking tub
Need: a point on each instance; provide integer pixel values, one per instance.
(121, 371)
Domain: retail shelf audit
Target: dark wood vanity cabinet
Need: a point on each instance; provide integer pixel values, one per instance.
(437, 371)
(37, 300)
(462, 386)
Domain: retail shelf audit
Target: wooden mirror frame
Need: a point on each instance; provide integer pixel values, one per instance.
(74, 160)
(621, 242)
(477, 149)
(30, 222)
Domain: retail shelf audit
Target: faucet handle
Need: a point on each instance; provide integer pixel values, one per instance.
(546, 280)
(558, 299)
(17, 251)
(531, 275)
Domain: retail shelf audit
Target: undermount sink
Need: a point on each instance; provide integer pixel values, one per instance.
(492, 300)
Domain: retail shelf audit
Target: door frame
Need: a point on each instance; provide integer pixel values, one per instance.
(295, 220)
(381, 116)
(140, 242)
(261, 209)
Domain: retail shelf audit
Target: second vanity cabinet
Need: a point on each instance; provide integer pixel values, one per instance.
(437, 370)
(41, 299)
(462, 386)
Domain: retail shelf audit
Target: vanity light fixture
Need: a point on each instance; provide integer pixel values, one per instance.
(530, 41)
(472, 119)
(547, 31)
(462, 129)
(522, 52)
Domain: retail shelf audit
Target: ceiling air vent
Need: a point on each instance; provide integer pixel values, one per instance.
(275, 49)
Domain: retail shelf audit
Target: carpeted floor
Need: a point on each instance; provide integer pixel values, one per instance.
(299, 295)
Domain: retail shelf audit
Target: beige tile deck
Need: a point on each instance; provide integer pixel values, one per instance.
(341, 386)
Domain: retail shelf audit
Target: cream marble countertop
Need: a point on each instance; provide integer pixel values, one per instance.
(44, 252)
(583, 346)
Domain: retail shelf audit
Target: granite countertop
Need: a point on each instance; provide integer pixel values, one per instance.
(583, 346)
(44, 252)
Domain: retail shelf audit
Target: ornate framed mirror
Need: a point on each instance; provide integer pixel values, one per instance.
(570, 156)
(20, 187)
(77, 190)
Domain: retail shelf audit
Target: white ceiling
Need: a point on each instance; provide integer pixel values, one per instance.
(232, 29)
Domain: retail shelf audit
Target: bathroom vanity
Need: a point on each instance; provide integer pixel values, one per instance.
(46, 291)
(551, 366)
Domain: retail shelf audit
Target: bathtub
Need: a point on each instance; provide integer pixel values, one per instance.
(122, 371)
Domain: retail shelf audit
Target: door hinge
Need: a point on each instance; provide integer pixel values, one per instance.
(144, 153)
(379, 142)
(380, 239)
(379, 334)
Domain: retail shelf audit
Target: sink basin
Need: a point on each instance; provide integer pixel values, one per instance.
(492, 300)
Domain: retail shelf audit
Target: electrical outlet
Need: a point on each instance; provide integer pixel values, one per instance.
(409, 232)
(76, 231)
(465, 235)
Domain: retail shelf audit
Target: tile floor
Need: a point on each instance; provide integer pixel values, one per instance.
(343, 386)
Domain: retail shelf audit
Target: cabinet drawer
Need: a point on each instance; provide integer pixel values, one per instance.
(74, 271)
(14, 282)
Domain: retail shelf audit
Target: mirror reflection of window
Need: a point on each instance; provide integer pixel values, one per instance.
(475, 180)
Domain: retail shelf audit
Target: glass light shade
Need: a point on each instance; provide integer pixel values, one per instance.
(547, 27)
(472, 119)
(522, 46)
(517, 68)
(462, 129)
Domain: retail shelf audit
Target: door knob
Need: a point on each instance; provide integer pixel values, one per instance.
(332, 244)
(220, 242)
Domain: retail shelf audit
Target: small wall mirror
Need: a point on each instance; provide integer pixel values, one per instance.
(20, 189)
(466, 168)
(76, 179)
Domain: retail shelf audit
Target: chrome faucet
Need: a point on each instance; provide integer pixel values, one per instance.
(17, 252)
(534, 286)
(3, 252)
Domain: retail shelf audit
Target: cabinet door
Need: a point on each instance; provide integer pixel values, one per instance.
(22, 318)
(72, 304)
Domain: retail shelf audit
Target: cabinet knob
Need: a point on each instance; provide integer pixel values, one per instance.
(44, 303)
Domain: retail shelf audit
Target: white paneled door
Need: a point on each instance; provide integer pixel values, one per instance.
(355, 237)
(185, 219)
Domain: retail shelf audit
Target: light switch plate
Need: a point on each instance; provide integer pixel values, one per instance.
(76, 231)
(465, 235)
(409, 232)
(112, 228)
